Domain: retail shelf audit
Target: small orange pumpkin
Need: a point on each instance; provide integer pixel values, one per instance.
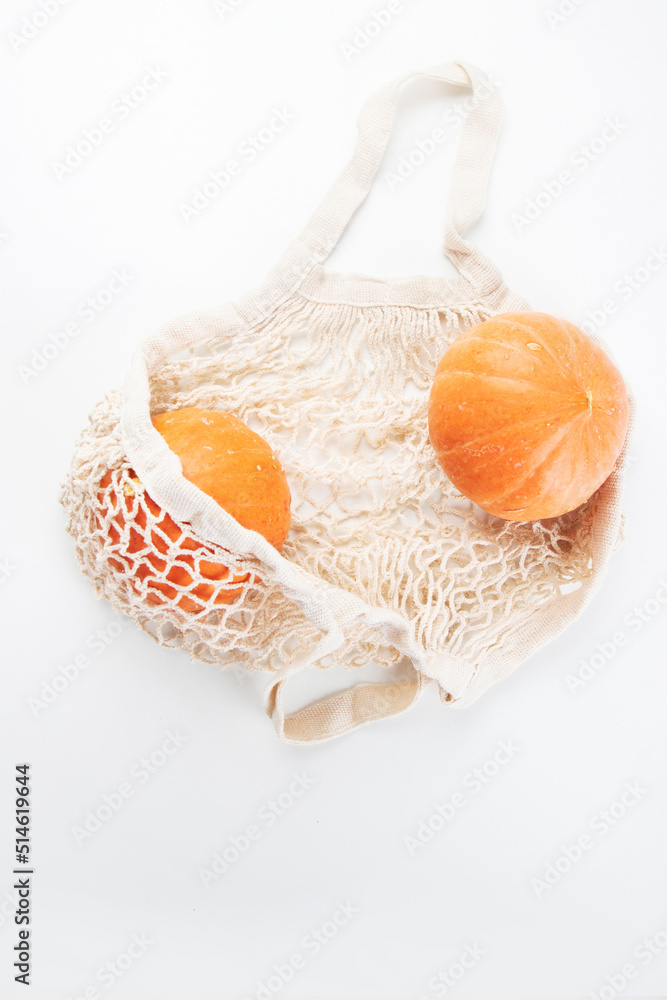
(527, 415)
(235, 467)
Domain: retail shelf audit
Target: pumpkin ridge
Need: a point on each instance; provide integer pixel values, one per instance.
(584, 375)
(469, 335)
(512, 320)
(553, 443)
(507, 427)
(503, 378)
(580, 430)
(517, 324)
(545, 347)
(589, 359)
(519, 350)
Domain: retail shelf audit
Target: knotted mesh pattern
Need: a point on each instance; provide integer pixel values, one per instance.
(340, 393)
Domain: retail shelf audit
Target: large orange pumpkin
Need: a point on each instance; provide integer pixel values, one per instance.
(230, 463)
(527, 415)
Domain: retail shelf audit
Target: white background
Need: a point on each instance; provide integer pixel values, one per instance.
(343, 840)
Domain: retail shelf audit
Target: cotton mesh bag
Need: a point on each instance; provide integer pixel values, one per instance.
(385, 562)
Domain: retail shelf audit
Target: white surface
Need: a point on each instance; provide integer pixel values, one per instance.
(344, 838)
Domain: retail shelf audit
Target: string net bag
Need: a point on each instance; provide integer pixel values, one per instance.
(385, 562)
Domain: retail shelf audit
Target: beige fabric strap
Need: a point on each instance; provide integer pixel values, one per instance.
(339, 713)
(468, 185)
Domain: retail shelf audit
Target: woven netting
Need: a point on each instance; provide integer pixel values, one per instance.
(340, 393)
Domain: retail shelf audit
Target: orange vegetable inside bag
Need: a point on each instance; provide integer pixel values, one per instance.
(237, 469)
(527, 415)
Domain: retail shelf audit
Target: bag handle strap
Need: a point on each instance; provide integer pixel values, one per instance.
(469, 180)
(340, 712)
